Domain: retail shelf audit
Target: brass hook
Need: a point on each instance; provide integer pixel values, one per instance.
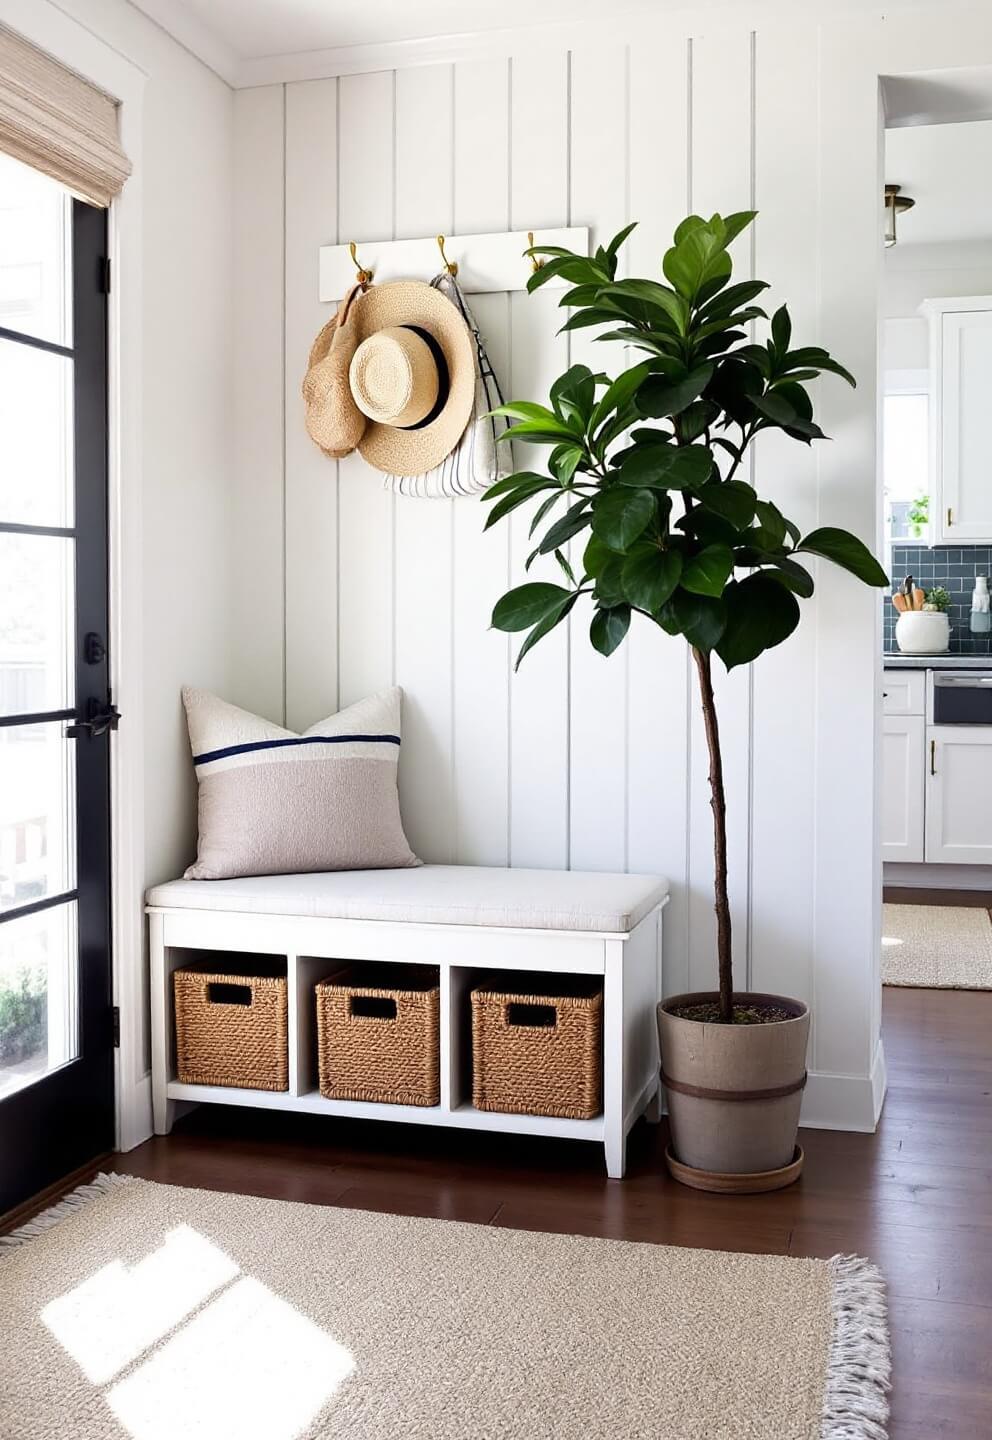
(535, 264)
(362, 276)
(450, 265)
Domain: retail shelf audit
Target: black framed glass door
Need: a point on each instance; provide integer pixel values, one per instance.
(56, 1025)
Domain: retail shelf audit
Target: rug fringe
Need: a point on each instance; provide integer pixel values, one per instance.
(855, 1401)
(70, 1204)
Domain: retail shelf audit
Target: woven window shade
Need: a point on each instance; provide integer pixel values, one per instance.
(57, 122)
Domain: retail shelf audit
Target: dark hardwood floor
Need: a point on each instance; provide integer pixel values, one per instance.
(916, 1197)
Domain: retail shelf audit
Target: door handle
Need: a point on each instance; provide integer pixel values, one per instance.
(933, 757)
(99, 717)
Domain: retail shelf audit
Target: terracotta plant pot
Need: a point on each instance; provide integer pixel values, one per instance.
(734, 1091)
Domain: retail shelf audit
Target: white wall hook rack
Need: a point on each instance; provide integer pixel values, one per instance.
(486, 263)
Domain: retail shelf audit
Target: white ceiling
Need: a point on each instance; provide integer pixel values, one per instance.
(945, 169)
(258, 41)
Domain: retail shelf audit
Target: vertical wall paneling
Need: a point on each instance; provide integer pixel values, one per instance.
(659, 693)
(539, 739)
(848, 886)
(524, 769)
(257, 500)
(366, 515)
(480, 655)
(424, 528)
(784, 679)
(721, 178)
(598, 690)
(311, 478)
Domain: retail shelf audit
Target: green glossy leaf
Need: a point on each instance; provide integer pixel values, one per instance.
(781, 330)
(700, 618)
(793, 576)
(596, 556)
(761, 613)
(516, 498)
(545, 507)
(659, 396)
(694, 419)
(657, 297)
(526, 410)
(649, 576)
(734, 295)
(527, 604)
(733, 499)
(609, 627)
(608, 589)
(847, 551)
(708, 572)
(666, 467)
(564, 460)
(708, 527)
(620, 237)
(544, 627)
(510, 482)
(620, 514)
(772, 522)
(532, 433)
(576, 518)
(619, 393)
(813, 358)
(735, 223)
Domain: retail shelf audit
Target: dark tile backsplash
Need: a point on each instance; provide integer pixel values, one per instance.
(954, 567)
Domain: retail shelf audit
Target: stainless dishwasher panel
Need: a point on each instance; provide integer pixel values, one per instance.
(962, 697)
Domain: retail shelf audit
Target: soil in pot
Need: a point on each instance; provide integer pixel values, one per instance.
(734, 1091)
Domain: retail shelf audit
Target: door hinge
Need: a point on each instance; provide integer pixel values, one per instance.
(115, 1016)
(105, 275)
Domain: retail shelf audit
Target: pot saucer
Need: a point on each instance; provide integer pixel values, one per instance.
(753, 1184)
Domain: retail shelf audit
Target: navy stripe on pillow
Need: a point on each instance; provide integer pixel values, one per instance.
(209, 755)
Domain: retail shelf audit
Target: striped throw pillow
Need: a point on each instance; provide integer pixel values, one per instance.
(272, 802)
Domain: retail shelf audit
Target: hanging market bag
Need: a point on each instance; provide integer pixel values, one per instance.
(478, 460)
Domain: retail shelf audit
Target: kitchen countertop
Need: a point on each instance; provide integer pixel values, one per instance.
(899, 661)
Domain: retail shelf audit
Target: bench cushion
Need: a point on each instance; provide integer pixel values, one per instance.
(434, 895)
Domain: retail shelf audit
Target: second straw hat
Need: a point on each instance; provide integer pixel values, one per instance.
(412, 375)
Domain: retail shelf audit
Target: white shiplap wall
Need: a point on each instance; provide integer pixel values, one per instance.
(578, 761)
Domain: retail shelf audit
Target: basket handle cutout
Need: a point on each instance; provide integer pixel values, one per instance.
(535, 1017)
(224, 993)
(372, 1007)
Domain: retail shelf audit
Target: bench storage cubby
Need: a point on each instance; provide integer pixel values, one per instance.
(378, 1035)
(231, 1024)
(471, 925)
(537, 1046)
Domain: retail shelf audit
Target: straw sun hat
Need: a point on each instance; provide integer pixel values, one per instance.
(394, 374)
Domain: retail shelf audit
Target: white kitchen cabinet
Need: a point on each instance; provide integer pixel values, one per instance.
(961, 440)
(904, 692)
(958, 794)
(903, 786)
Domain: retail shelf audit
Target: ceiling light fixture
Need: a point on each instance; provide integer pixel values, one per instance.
(895, 203)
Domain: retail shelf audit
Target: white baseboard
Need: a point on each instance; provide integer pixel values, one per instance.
(845, 1102)
(937, 877)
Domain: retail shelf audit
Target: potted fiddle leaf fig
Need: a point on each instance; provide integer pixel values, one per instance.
(647, 510)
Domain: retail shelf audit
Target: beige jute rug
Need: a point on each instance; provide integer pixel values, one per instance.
(947, 947)
(139, 1311)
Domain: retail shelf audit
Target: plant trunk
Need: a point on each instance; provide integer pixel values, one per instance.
(718, 804)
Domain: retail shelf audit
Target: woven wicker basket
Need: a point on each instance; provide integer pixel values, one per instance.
(231, 1030)
(538, 1052)
(380, 1042)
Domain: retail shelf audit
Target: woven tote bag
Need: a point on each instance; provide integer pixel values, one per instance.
(477, 461)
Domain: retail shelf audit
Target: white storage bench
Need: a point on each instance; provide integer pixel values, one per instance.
(466, 921)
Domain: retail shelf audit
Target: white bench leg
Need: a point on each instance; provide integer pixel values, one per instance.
(163, 1109)
(615, 1146)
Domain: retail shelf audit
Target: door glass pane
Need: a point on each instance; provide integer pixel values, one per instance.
(36, 623)
(37, 813)
(35, 436)
(39, 1026)
(35, 244)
